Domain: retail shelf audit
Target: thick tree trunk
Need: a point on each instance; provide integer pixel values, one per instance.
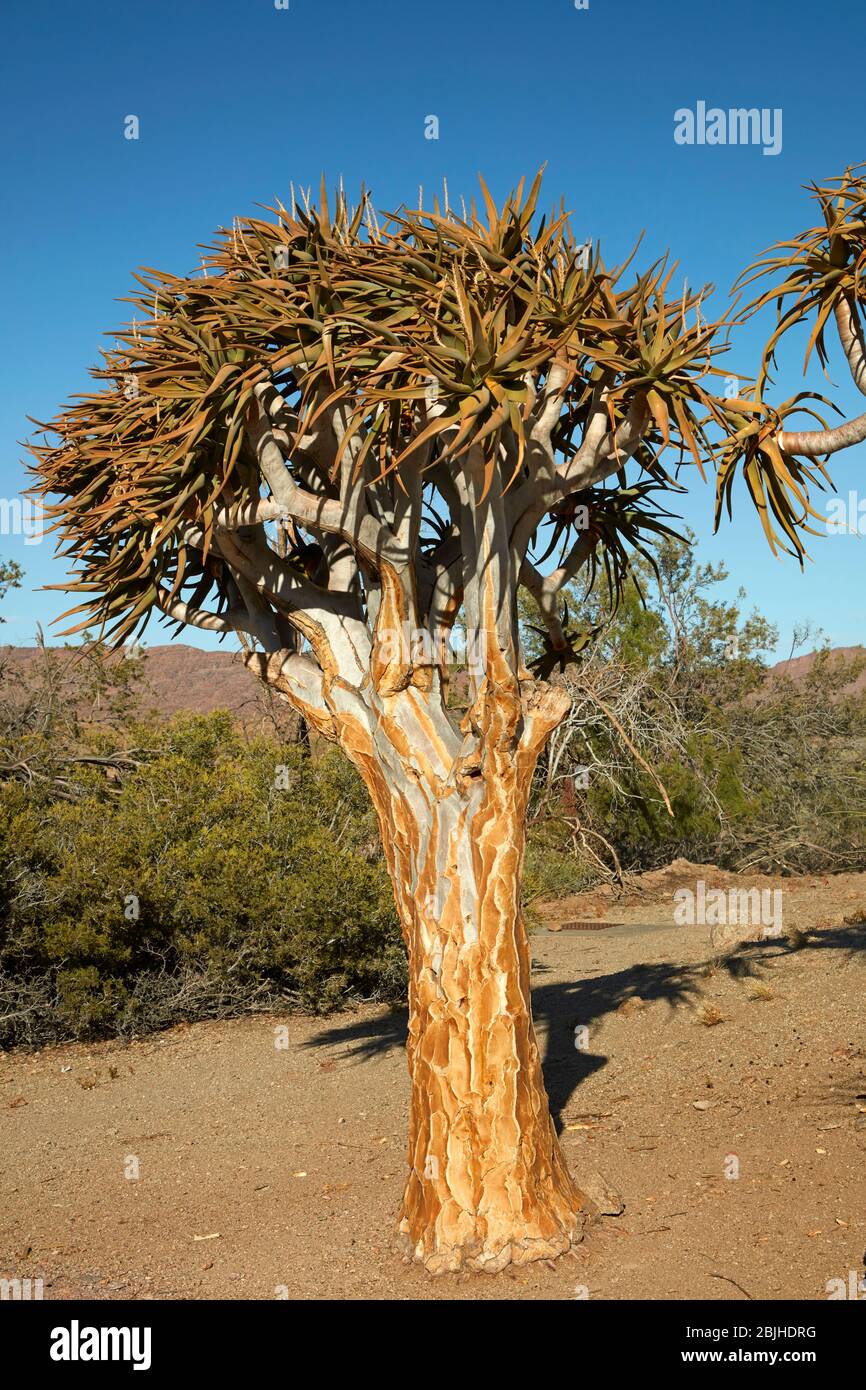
(488, 1184)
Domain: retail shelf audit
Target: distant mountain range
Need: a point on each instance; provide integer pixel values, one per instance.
(178, 677)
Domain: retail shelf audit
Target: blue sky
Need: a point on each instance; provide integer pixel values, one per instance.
(235, 98)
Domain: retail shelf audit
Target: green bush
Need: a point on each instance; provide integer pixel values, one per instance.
(551, 867)
(222, 875)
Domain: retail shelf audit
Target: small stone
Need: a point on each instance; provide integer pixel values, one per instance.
(603, 1197)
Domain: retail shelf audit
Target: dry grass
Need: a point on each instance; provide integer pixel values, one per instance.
(710, 1015)
(759, 991)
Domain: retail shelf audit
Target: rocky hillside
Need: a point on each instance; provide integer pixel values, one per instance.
(799, 667)
(180, 677)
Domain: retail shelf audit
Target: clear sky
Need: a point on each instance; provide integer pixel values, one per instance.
(235, 98)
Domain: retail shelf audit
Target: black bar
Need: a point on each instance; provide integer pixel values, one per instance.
(244, 1338)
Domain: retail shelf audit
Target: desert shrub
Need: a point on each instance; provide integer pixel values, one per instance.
(551, 867)
(221, 874)
(674, 697)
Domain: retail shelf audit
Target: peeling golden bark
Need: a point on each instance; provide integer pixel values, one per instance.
(488, 1184)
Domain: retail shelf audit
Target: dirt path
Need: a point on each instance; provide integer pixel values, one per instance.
(268, 1169)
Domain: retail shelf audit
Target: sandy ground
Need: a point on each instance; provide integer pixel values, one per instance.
(270, 1170)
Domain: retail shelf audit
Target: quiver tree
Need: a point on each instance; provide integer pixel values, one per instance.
(339, 441)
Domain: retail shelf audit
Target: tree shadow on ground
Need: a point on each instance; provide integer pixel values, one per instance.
(562, 1007)
(366, 1038)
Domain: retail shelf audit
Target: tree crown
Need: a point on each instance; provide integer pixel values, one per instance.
(344, 425)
